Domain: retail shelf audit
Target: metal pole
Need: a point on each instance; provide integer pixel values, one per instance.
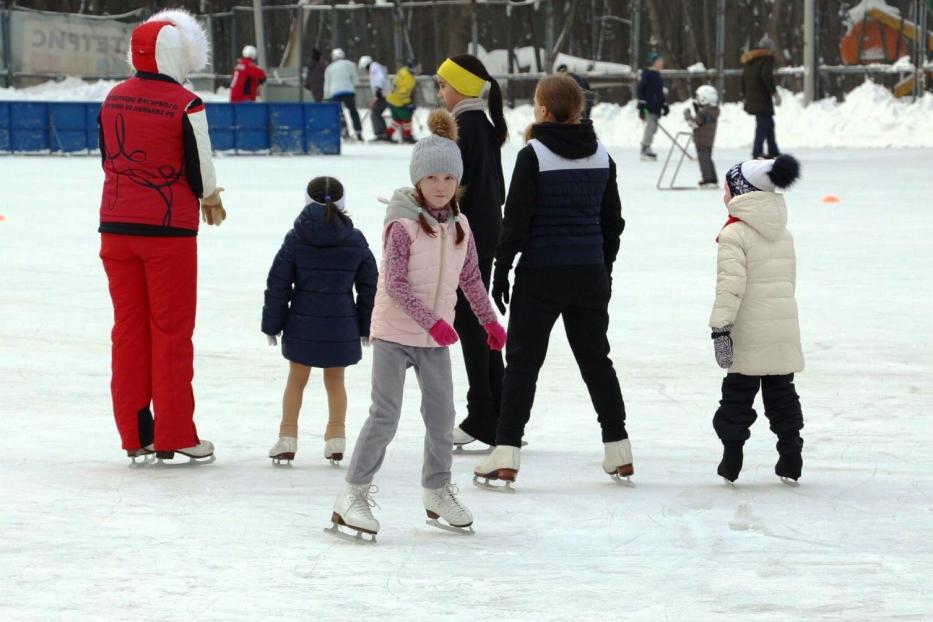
(636, 34)
(549, 32)
(301, 52)
(334, 29)
(922, 42)
(474, 30)
(809, 51)
(260, 27)
(397, 33)
(721, 48)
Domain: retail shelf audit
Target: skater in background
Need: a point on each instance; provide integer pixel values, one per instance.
(564, 215)
(379, 84)
(703, 119)
(760, 95)
(247, 77)
(158, 182)
(588, 94)
(309, 302)
(314, 75)
(401, 103)
(755, 331)
(428, 250)
(651, 102)
(340, 80)
(461, 80)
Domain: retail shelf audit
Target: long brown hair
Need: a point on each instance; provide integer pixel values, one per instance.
(562, 97)
(327, 191)
(454, 211)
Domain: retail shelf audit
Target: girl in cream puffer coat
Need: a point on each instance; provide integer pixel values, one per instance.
(754, 320)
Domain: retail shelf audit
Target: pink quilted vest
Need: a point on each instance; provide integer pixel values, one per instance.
(434, 268)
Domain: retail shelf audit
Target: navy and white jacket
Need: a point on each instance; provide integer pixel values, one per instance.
(563, 206)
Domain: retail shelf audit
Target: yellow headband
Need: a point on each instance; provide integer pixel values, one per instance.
(460, 79)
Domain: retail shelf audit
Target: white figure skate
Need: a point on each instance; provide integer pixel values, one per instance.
(502, 464)
(334, 449)
(443, 503)
(353, 509)
(202, 453)
(284, 450)
(145, 454)
(618, 461)
(461, 439)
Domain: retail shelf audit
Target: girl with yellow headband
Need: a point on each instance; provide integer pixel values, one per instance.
(461, 80)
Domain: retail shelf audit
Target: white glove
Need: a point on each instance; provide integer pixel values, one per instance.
(272, 340)
(364, 341)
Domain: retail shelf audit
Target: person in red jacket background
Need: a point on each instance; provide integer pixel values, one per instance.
(158, 179)
(247, 77)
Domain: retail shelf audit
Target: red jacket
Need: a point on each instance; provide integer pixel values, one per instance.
(154, 147)
(247, 77)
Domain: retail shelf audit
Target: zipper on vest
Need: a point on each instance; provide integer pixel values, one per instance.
(440, 274)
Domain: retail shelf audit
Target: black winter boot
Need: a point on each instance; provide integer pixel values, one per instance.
(731, 462)
(790, 461)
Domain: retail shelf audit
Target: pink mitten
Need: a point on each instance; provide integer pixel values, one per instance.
(496, 336)
(444, 334)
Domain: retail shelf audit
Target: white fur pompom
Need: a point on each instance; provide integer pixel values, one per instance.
(193, 37)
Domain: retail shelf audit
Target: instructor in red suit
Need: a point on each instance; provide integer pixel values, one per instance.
(247, 77)
(158, 182)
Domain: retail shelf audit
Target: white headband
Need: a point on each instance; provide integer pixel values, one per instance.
(340, 203)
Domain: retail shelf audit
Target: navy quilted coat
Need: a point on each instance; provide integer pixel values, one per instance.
(309, 291)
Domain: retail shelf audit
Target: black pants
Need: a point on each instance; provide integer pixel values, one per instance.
(483, 366)
(782, 408)
(349, 102)
(579, 294)
(764, 131)
(707, 168)
(376, 109)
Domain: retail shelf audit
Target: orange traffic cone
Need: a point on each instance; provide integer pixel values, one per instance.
(830, 198)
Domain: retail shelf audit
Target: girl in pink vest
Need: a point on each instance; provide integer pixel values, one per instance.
(428, 252)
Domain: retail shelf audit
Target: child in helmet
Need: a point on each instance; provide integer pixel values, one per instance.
(703, 119)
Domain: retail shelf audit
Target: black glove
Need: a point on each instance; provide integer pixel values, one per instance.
(500, 292)
(687, 115)
(378, 93)
(665, 110)
(642, 109)
(722, 345)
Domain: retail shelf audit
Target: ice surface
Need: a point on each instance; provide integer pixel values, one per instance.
(84, 538)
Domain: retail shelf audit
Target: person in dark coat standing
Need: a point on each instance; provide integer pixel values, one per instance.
(309, 301)
(760, 95)
(652, 104)
(588, 95)
(461, 80)
(314, 76)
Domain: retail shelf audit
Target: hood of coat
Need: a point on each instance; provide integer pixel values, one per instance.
(404, 204)
(571, 141)
(171, 43)
(313, 227)
(765, 212)
(751, 55)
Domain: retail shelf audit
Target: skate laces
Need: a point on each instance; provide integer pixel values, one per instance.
(452, 492)
(362, 499)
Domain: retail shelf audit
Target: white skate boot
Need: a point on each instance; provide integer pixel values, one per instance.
(443, 503)
(618, 461)
(202, 453)
(145, 454)
(334, 449)
(461, 439)
(502, 464)
(353, 509)
(284, 450)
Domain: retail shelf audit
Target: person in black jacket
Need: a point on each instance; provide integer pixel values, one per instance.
(760, 95)
(564, 215)
(309, 302)
(461, 80)
(651, 102)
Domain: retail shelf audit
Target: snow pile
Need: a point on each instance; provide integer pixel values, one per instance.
(858, 12)
(497, 62)
(78, 90)
(869, 117)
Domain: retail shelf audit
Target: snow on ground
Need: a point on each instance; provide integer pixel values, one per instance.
(87, 539)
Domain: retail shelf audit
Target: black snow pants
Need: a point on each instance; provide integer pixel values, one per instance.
(782, 408)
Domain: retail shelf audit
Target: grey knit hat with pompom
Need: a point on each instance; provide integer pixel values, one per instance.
(437, 153)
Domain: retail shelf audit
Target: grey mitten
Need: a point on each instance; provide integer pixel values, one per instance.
(722, 345)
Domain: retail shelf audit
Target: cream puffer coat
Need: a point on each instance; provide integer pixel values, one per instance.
(756, 279)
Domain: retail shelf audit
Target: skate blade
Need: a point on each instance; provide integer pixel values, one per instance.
(728, 483)
(192, 462)
(334, 459)
(140, 462)
(485, 483)
(460, 451)
(281, 462)
(625, 481)
(790, 482)
(335, 531)
(463, 531)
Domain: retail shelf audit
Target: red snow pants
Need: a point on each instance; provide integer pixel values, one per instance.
(153, 286)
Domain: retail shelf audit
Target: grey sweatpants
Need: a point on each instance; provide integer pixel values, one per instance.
(651, 128)
(707, 168)
(432, 368)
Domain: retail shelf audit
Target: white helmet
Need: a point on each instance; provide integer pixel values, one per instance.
(365, 61)
(706, 95)
(337, 54)
(249, 51)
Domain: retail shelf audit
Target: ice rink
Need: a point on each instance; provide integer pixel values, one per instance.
(84, 538)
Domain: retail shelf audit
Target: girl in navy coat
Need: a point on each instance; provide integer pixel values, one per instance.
(309, 302)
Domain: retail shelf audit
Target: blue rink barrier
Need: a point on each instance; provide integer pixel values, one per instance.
(71, 127)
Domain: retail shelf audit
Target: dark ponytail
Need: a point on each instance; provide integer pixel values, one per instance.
(327, 191)
(476, 67)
